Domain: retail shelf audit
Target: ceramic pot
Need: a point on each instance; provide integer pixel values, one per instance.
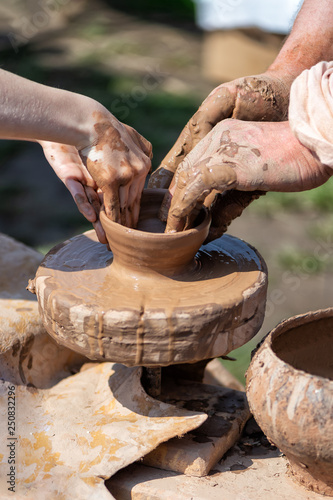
(148, 248)
(290, 393)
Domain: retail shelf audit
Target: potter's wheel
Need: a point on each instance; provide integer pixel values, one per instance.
(89, 306)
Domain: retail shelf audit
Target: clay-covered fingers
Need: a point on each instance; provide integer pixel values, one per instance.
(95, 199)
(216, 107)
(192, 185)
(163, 175)
(89, 204)
(100, 232)
(122, 195)
(112, 201)
(119, 164)
(254, 98)
(123, 204)
(134, 202)
(140, 141)
(85, 204)
(67, 164)
(130, 196)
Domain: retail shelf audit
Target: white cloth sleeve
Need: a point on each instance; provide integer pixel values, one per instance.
(311, 110)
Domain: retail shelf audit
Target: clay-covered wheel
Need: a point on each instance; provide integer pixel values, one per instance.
(152, 321)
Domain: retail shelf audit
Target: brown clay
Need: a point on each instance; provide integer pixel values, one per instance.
(148, 249)
(152, 303)
(253, 98)
(118, 159)
(109, 136)
(228, 206)
(290, 392)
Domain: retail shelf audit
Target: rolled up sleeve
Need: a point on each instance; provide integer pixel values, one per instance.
(311, 110)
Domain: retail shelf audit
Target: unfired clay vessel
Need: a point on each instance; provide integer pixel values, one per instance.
(148, 251)
(156, 300)
(290, 392)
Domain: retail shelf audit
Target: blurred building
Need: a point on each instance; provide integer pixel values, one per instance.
(242, 37)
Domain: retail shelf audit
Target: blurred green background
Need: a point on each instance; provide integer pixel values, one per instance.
(142, 61)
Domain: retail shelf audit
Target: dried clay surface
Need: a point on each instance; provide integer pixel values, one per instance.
(290, 392)
(250, 471)
(199, 450)
(82, 430)
(71, 430)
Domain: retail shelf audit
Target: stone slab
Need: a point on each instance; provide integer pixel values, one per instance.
(199, 450)
(259, 475)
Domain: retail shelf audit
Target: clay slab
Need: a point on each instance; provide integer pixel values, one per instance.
(238, 477)
(198, 451)
(82, 430)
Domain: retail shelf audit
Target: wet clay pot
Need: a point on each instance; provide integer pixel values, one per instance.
(290, 392)
(157, 299)
(148, 249)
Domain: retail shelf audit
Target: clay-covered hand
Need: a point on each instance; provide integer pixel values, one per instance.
(261, 97)
(67, 164)
(247, 156)
(110, 172)
(118, 159)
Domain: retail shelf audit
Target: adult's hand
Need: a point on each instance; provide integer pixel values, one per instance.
(262, 97)
(251, 157)
(256, 98)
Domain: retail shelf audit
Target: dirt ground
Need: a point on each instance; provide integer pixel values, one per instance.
(37, 209)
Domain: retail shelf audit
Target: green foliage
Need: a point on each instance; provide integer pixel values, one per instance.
(322, 230)
(243, 358)
(300, 261)
(319, 199)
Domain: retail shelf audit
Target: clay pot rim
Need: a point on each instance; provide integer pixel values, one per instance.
(136, 233)
(284, 326)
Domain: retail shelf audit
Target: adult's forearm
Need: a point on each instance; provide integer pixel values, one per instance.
(32, 111)
(310, 40)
